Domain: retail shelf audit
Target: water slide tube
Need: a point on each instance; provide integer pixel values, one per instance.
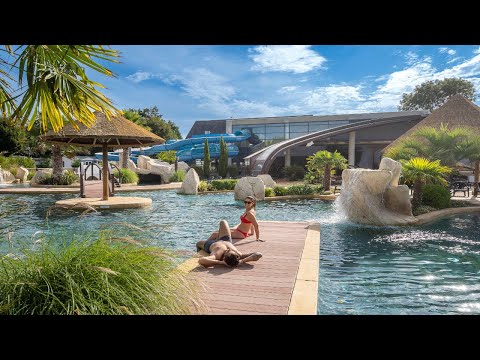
(189, 149)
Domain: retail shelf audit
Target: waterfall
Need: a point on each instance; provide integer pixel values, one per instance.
(374, 196)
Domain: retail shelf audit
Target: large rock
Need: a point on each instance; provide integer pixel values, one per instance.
(131, 165)
(165, 171)
(40, 175)
(181, 165)
(394, 166)
(22, 174)
(190, 184)
(250, 186)
(267, 180)
(142, 161)
(6, 177)
(374, 197)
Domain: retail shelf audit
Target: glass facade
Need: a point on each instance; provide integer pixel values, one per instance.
(279, 131)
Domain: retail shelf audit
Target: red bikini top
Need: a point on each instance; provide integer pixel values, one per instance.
(243, 219)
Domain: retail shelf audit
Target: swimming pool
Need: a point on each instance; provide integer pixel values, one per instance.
(430, 269)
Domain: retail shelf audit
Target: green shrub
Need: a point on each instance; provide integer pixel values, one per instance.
(294, 172)
(232, 171)
(225, 184)
(436, 196)
(11, 163)
(203, 186)
(45, 163)
(423, 210)
(126, 176)
(318, 189)
(178, 176)
(93, 277)
(31, 174)
(198, 170)
(269, 192)
(76, 163)
(67, 178)
(300, 190)
(280, 191)
(167, 156)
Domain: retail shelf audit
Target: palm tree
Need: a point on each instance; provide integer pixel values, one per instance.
(442, 144)
(421, 171)
(52, 84)
(471, 149)
(53, 87)
(322, 162)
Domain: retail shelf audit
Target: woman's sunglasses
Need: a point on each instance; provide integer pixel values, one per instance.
(247, 202)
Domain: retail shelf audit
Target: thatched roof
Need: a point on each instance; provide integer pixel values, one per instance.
(457, 111)
(116, 132)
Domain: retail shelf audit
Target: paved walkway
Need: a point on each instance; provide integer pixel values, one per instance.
(284, 281)
(73, 190)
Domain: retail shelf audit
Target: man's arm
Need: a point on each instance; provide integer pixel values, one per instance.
(249, 257)
(208, 261)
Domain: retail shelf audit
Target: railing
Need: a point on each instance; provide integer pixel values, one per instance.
(84, 172)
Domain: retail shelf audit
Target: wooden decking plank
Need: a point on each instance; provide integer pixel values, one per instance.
(263, 287)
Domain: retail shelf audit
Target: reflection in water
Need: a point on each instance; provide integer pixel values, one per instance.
(430, 269)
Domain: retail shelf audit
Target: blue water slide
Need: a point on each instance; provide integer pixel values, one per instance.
(190, 149)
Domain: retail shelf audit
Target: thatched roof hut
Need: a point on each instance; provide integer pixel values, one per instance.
(457, 111)
(116, 132)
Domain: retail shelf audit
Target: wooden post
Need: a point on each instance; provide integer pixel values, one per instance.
(475, 179)
(105, 172)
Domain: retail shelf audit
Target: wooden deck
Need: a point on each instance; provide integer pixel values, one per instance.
(93, 189)
(266, 286)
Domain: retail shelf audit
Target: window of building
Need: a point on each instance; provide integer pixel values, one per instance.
(318, 126)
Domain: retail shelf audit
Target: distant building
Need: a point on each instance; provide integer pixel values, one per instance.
(360, 140)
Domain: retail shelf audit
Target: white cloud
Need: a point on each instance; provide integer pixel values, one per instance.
(477, 51)
(140, 76)
(298, 59)
(446, 50)
(411, 57)
(454, 59)
(286, 89)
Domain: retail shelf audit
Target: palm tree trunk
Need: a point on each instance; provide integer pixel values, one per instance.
(475, 178)
(326, 177)
(57, 164)
(417, 193)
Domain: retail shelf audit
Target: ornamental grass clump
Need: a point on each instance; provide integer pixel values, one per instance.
(94, 276)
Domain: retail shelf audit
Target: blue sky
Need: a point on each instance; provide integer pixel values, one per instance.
(205, 82)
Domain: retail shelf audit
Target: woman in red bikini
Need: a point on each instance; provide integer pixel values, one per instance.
(248, 222)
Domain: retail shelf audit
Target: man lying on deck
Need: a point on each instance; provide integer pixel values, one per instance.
(221, 250)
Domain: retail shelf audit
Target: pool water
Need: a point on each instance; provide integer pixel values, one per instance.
(430, 269)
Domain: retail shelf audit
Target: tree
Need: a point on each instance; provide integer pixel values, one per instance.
(321, 164)
(150, 119)
(432, 94)
(444, 144)
(52, 84)
(421, 171)
(223, 160)
(206, 160)
(168, 156)
(11, 136)
(471, 149)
